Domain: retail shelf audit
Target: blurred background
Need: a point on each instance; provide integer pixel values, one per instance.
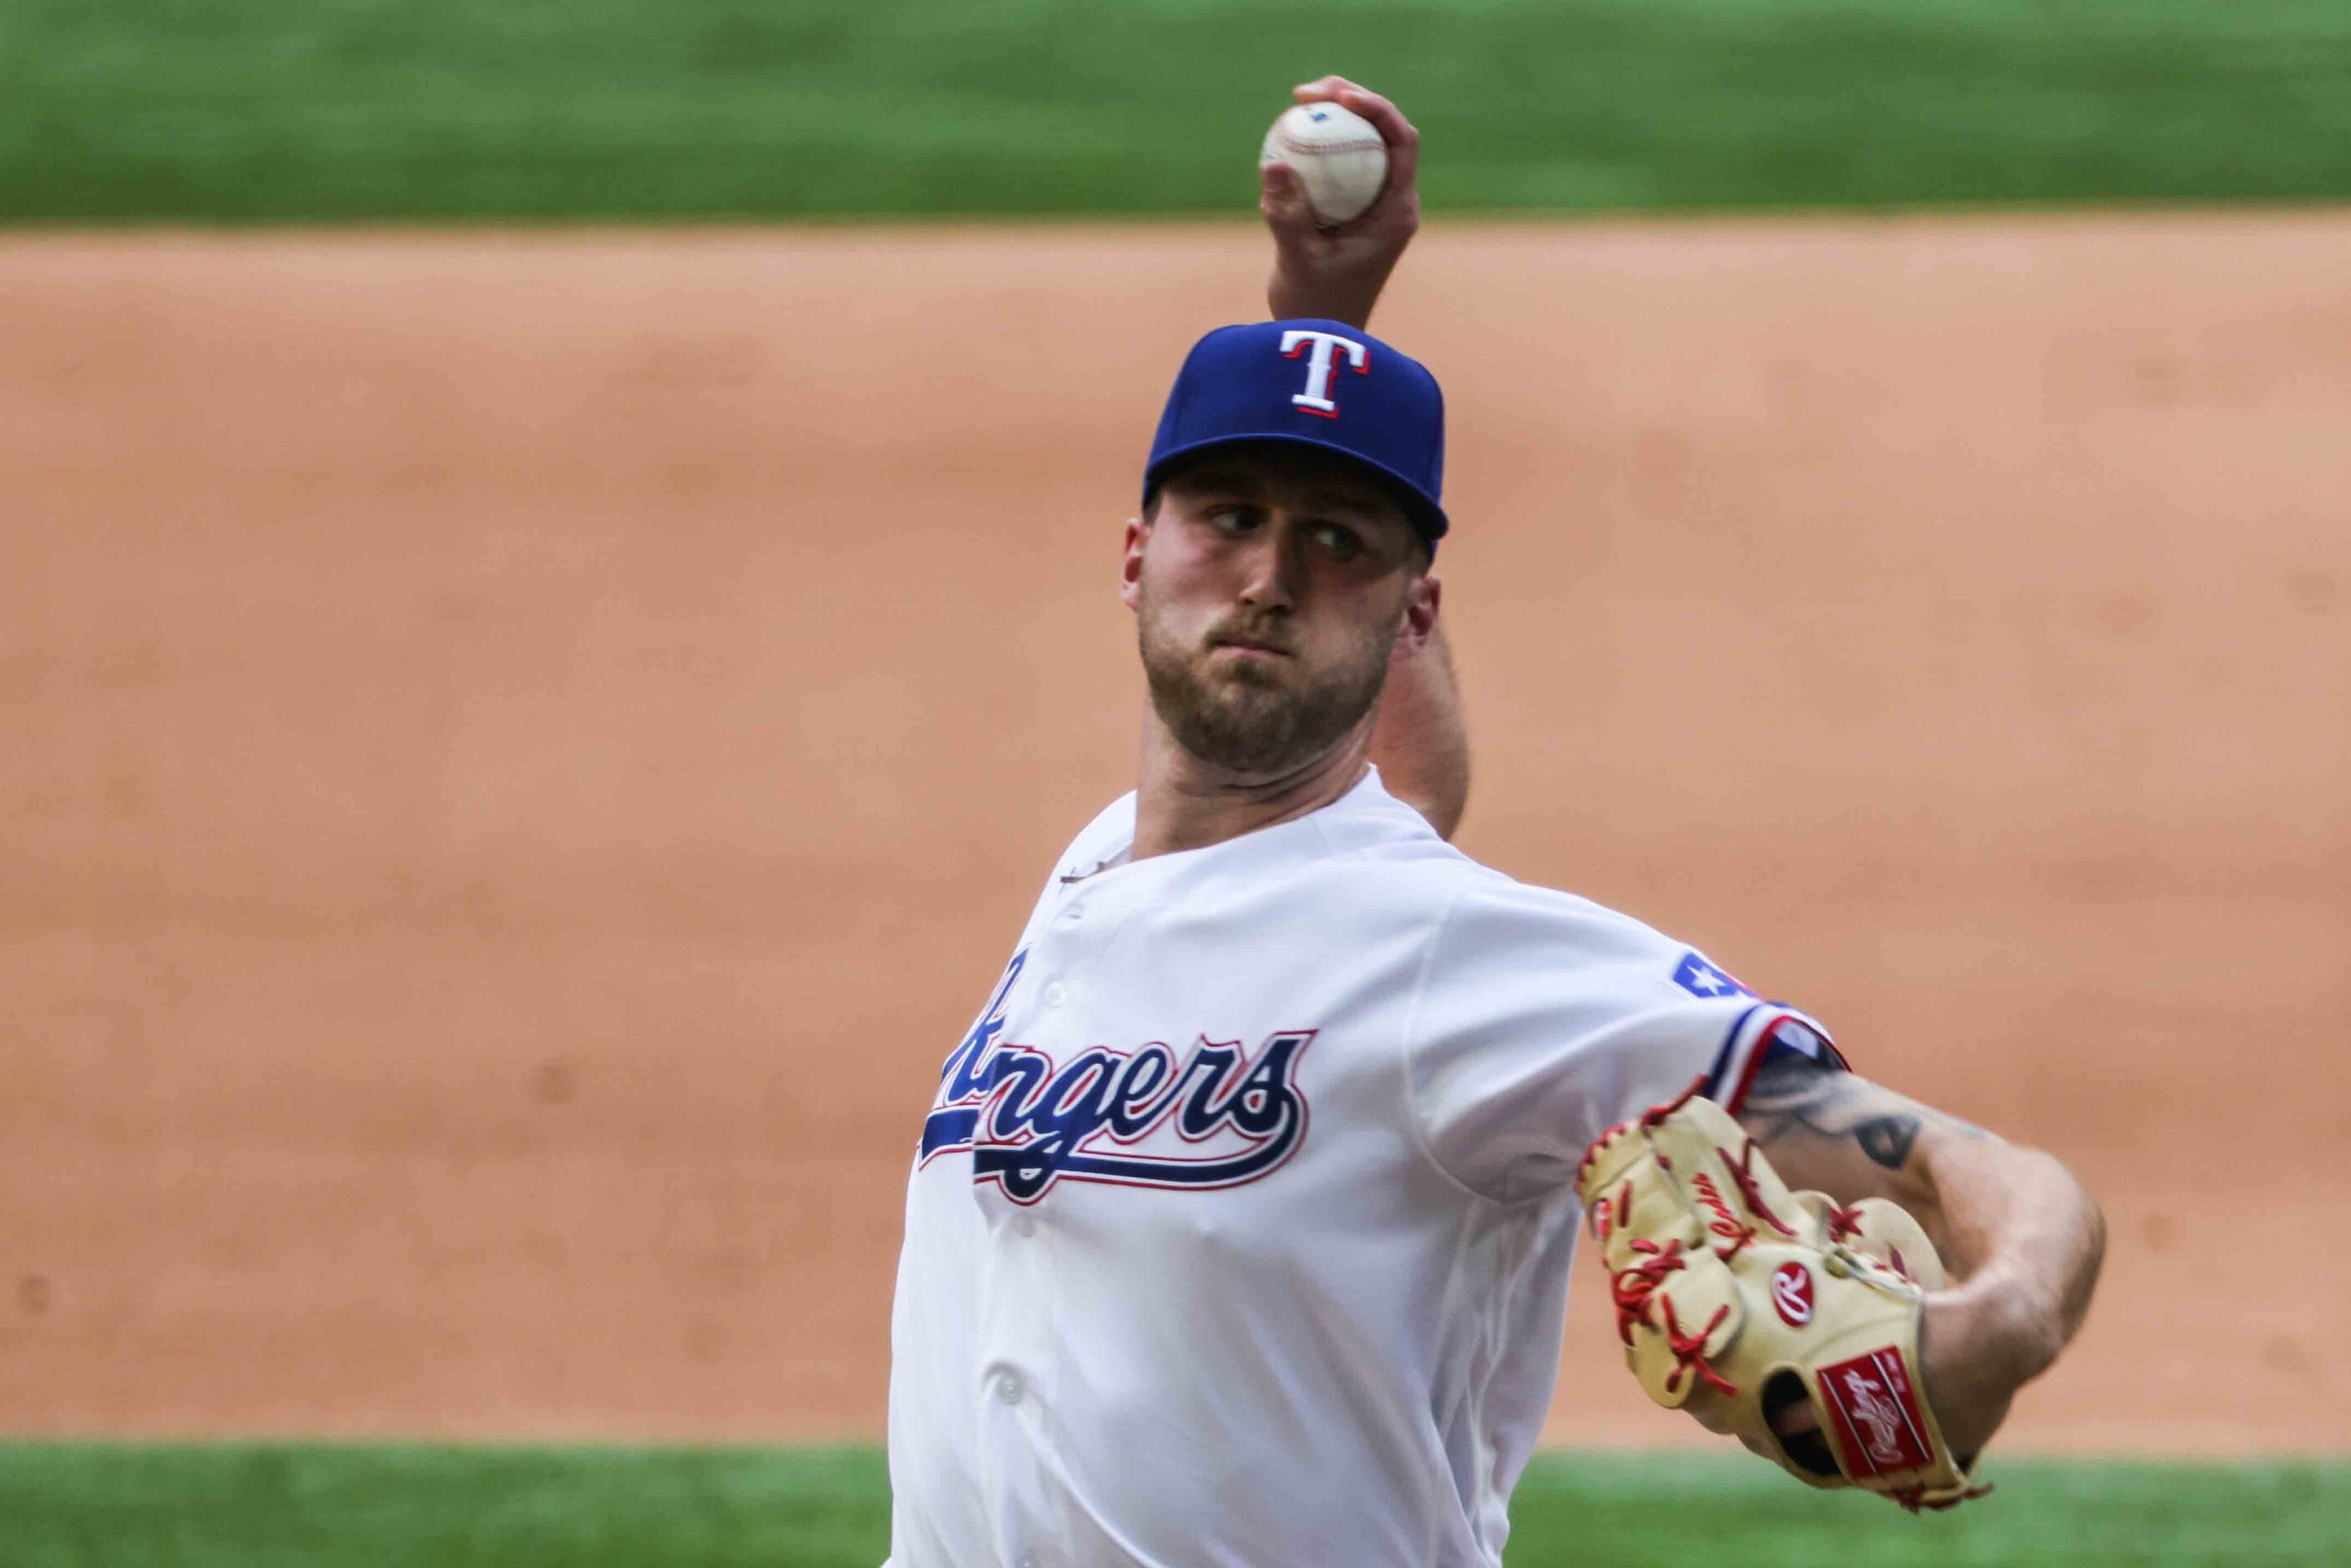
(555, 603)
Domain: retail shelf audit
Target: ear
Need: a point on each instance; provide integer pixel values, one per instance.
(1421, 603)
(1130, 566)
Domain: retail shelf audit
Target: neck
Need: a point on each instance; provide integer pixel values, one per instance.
(1183, 803)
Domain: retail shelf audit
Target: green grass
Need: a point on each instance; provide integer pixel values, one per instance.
(342, 1506)
(244, 111)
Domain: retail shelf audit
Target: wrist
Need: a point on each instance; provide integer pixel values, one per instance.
(2008, 1325)
(1967, 1365)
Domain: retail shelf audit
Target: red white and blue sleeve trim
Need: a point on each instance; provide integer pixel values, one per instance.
(1764, 1032)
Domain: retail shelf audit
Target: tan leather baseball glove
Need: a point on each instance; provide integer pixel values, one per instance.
(1736, 1298)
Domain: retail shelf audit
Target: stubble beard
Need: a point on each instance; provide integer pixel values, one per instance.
(1254, 719)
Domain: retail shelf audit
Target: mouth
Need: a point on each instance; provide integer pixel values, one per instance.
(1248, 648)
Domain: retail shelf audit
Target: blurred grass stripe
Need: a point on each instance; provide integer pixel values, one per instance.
(278, 110)
(277, 1505)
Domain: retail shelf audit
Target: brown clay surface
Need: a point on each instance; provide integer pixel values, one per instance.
(523, 753)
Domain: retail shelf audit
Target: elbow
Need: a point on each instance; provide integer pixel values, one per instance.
(2073, 1276)
(2089, 1248)
(2093, 1256)
(2039, 1260)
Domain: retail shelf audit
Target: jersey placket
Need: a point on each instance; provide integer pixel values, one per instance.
(1022, 1390)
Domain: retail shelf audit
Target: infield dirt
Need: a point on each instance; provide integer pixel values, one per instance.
(525, 751)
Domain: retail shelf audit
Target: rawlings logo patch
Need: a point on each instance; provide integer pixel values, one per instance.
(1792, 1293)
(1878, 1421)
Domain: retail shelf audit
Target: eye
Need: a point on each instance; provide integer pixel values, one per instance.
(1343, 543)
(1232, 519)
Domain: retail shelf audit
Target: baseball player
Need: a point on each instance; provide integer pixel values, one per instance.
(1240, 1225)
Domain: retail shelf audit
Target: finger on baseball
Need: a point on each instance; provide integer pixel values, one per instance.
(1278, 185)
(1399, 134)
(1281, 196)
(1323, 89)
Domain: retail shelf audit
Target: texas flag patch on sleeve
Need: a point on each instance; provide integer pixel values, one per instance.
(1700, 977)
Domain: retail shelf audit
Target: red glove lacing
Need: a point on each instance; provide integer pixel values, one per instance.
(1633, 1290)
(1742, 1172)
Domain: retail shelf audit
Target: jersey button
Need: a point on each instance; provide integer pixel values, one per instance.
(1023, 1226)
(1056, 994)
(1008, 1389)
(1027, 1560)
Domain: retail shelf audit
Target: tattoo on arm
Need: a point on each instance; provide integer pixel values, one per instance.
(1794, 1091)
(1888, 1139)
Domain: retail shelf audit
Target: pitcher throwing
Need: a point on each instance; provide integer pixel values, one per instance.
(1238, 1229)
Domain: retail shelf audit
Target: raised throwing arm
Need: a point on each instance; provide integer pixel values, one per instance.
(2021, 1237)
(1421, 743)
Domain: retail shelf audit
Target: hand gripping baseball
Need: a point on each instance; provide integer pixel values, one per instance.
(1339, 272)
(1736, 1297)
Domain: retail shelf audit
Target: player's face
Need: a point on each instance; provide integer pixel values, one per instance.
(1270, 589)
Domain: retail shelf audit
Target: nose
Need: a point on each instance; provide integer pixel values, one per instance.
(1269, 581)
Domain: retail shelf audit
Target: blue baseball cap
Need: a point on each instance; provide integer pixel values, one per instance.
(1312, 382)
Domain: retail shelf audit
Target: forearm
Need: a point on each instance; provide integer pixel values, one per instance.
(1419, 742)
(1334, 295)
(2020, 1235)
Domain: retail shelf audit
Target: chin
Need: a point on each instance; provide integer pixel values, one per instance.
(1256, 675)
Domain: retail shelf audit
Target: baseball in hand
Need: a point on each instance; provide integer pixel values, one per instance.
(1337, 154)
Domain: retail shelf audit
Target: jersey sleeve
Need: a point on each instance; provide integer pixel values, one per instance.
(1542, 1020)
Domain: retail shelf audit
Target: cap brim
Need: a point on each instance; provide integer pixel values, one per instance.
(1424, 514)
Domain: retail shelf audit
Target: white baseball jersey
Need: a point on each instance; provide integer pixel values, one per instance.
(1239, 1230)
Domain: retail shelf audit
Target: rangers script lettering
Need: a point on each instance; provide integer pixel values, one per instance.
(1102, 1115)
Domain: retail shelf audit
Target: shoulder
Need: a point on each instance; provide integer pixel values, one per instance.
(1487, 948)
(1495, 921)
(1518, 959)
(1381, 859)
(1481, 909)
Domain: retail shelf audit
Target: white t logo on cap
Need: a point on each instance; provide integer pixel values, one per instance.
(1316, 398)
